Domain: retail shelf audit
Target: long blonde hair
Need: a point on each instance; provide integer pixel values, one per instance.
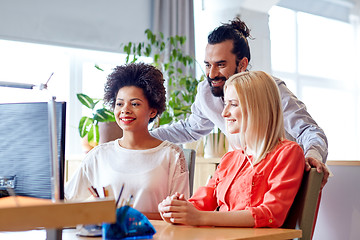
(262, 125)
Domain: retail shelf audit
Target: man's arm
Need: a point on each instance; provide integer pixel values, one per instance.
(192, 129)
(300, 126)
(197, 125)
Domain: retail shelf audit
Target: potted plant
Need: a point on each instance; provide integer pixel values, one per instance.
(168, 56)
(176, 66)
(89, 125)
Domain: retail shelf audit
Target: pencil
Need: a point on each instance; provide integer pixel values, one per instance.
(105, 192)
(92, 192)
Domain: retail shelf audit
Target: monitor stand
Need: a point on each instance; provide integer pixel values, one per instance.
(53, 234)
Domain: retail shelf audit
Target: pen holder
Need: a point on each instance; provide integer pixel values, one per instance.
(130, 224)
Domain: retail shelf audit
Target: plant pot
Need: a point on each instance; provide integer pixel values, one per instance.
(198, 146)
(215, 145)
(109, 131)
(86, 145)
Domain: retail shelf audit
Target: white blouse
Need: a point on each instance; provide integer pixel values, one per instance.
(149, 175)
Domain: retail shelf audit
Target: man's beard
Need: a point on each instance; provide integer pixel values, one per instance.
(218, 91)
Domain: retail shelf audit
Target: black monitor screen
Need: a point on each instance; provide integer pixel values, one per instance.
(25, 148)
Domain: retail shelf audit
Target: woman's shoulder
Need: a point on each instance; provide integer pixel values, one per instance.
(289, 149)
(171, 146)
(231, 158)
(103, 146)
(288, 145)
(100, 149)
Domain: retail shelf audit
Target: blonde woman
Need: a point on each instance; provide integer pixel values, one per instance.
(254, 185)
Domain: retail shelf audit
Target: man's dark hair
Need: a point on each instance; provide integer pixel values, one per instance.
(238, 32)
(141, 75)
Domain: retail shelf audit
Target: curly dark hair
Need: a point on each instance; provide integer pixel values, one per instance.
(238, 32)
(141, 75)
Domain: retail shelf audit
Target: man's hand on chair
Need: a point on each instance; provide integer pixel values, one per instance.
(320, 167)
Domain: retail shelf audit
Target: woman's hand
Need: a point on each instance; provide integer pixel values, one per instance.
(162, 206)
(167, 202)
(177, 210)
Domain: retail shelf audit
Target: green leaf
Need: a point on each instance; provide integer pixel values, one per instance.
(149, 34)
(165, 118)
(177, 113)
(166, 66)
(86, 100)
(104, 115)
(183, 81)
(172, 41)
(139, 47)
(98, 68)
(156, 58)
(148, 50)
(84, 125)
(179, 70)
(153, 39)
(174, 53)
(93, 134)
(162, 46)
(127, 48)
(182, 40)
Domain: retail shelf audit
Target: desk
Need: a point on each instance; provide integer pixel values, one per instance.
(166, 231)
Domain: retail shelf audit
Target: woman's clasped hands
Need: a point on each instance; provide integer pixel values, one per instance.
(177, 210)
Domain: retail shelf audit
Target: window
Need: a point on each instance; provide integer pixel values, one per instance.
(73, 70)
(316, 57)
(33, 63)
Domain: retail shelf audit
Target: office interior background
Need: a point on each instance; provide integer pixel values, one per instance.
(313, 45)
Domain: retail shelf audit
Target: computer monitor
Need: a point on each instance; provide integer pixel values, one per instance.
(25, 149)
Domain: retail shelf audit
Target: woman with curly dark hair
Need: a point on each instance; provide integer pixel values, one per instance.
(151, 169)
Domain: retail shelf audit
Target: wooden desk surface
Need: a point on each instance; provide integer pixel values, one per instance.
(166, 231)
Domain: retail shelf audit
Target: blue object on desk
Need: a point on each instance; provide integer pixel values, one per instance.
(130, 224)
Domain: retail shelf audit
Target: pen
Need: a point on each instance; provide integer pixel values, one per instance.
(118, 199)
(96, 192)
(130, 201)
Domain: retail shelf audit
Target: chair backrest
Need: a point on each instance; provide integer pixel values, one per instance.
(190, 155)
(302, 212)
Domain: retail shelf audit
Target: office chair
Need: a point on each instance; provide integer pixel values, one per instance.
(190, 155)
(302, 212)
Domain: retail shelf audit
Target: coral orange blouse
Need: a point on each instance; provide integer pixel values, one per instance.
(267, 190)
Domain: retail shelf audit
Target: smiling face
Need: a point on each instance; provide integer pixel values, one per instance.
(235, 121)
(132, 111)
(220, 64)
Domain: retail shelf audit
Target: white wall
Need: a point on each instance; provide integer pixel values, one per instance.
(99, 25)
(339, 212)
(207, 20)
